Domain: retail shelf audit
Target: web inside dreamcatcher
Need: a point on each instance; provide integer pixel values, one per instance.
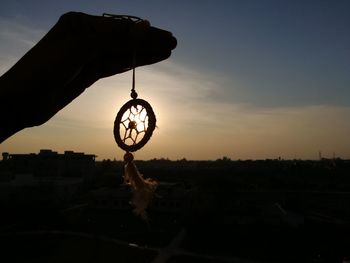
(135, 123)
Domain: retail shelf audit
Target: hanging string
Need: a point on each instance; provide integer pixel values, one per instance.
(133, 91)
(133, 79)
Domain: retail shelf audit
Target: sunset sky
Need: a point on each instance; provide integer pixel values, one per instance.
(248, 80)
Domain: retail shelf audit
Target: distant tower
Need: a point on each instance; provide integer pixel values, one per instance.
(320, 155)
(5, 156)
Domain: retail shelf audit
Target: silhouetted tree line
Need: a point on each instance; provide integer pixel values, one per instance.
(269, 174)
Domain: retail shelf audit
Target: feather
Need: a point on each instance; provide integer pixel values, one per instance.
(142, 189)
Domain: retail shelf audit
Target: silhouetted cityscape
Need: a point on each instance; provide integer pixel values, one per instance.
(203, 211)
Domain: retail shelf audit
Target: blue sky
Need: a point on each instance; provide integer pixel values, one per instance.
(249, 79)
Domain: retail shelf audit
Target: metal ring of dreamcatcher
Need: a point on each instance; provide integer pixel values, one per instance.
(134, 125)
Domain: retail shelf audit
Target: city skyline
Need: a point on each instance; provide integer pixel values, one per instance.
(247, 80)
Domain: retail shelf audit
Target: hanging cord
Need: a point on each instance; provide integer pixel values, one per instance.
(133, 92)
(139, 27)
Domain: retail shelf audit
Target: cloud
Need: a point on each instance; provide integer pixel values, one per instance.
(15, 40)
(208, 127)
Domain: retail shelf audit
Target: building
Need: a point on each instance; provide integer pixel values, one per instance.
(48, 163)
(46, 178)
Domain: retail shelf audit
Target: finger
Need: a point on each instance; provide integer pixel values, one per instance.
(108, 33)
(119, 56)
(156, 46)
(116, 45)
(84, 25)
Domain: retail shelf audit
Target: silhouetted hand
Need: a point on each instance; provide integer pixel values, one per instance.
(76, 52)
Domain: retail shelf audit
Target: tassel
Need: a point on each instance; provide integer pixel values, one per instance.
(142, 189)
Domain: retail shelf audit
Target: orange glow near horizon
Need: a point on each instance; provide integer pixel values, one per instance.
(189, 124)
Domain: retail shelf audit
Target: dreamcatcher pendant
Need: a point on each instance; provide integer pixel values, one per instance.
(133, 127)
